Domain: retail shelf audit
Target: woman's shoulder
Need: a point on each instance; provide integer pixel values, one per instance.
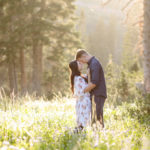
(78, 78)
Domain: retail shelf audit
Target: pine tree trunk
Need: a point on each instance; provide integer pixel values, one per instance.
(12, 74)
(147, 45)
(37, 68)
(23, 74)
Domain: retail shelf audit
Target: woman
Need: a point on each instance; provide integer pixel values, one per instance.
(83, 102)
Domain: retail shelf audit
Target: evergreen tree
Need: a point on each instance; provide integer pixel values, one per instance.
(33, 26)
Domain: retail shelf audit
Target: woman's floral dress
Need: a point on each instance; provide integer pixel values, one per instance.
(83, 102)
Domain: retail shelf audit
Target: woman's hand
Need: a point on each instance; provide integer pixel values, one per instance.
(85, 76)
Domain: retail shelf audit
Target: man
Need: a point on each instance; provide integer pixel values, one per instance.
(97, 85)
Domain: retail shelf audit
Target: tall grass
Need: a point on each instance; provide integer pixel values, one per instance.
(38, 124)
(31, 123)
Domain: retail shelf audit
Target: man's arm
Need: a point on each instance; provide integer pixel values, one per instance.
(89, 87)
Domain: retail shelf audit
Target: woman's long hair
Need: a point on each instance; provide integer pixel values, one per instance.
(74, 72)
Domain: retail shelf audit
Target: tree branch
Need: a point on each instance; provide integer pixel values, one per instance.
(127, 4)
(106, 3)
(138, 22)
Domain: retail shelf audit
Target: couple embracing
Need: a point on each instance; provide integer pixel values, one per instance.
(88, 89)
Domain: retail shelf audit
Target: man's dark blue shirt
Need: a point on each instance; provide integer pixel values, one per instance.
(97, 77)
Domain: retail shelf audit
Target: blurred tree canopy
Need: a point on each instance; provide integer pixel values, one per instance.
(36, 39)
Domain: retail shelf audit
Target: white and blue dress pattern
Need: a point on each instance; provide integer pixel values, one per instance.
(83, 102)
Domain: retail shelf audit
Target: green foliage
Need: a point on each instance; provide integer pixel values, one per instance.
(123, 79)
(122, 86)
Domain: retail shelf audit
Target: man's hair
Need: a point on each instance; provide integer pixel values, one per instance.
(80, 52)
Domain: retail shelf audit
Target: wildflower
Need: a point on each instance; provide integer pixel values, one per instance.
(5, 142)
(13, 147)
(4, 148)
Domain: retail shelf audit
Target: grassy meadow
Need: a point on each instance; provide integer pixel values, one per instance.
(37, 124)
(38, 39)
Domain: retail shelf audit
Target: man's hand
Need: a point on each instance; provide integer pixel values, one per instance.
(89, 87)
(88, 75)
